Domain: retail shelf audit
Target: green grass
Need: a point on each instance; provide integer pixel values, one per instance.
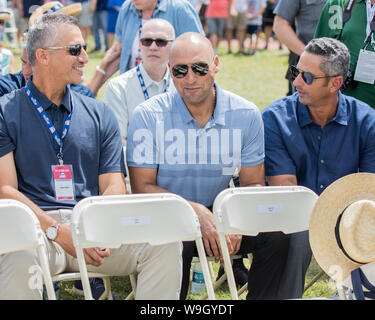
(259, 79)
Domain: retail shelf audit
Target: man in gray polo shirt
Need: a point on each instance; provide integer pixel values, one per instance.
(294, 26)
(189, 142)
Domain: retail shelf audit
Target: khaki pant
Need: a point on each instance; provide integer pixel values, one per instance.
(159, 268)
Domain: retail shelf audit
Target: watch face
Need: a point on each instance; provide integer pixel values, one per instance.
(51, 233)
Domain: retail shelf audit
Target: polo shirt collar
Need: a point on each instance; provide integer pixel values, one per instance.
(341, 116)
(162, 7)
(221, 107)
(45, 102)
(148, 81)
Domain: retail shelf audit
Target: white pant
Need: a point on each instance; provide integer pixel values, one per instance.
(159, 269)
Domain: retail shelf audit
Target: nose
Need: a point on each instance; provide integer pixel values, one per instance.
(153, 45)
(190, 76)
(83, 56)
(298, 81)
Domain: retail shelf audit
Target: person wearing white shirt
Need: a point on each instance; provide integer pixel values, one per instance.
(149, 78)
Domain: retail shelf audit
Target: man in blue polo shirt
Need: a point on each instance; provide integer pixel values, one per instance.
(46, 129)
(133, 14)
(315, 137)
(190, 142)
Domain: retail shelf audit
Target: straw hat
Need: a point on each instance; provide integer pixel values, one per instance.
(55, 6)
(4, 15)
(342, 226)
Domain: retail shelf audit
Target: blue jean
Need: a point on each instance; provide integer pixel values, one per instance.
(99, 22)
(299, 257)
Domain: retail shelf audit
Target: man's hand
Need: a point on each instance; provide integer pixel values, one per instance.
(95, 256)
(210, 235)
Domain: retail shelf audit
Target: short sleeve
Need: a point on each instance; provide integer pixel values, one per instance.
(141, 145)
(277, 158)
(114, 96)
(252, 153)
(111, 151)
(288, 9)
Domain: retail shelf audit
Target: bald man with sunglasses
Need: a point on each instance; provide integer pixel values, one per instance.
(58, 147)
(189, 142)
(315, 137)
(151, 77)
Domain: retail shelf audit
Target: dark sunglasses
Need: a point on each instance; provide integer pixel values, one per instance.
(147, 42)
(2, 22)
(306, 76)
(199, 68)
(74, 50)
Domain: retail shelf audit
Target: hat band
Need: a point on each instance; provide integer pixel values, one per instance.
(54, 8)
(339, 243)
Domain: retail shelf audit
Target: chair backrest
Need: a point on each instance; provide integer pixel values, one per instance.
(19, 227)
(250, 210)
(109, 221)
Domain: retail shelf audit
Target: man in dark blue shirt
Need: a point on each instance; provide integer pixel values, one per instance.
(315, 137)
(47, 129)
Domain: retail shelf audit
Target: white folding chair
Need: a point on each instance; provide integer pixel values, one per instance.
(20, 230)
(250, 210)
(109, 221)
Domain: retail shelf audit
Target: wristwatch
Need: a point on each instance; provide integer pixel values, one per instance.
(51, 231)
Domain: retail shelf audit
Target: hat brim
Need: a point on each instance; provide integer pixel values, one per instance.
(330, 205)
(4, 16)
(70, 10)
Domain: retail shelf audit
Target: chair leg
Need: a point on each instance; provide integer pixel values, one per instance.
(216, 285)
(107, 294)
(313, 280)
(133, 282)
(205, 269)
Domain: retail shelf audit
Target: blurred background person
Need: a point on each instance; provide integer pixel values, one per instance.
(294, 25)
(217, 13)
(254, 18)
(84, 18)
(113, 9)
(99, 24)
(6, 56)
(237, 21)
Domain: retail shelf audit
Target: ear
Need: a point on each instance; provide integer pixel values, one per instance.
(216, 64)
(336, 83)
(42, 56)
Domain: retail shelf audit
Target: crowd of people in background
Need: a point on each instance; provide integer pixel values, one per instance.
(328, 110)
(221, 20)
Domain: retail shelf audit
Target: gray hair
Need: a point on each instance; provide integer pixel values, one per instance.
(336, 56)
(44, 32)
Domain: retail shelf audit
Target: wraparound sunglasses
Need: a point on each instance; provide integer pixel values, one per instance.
(74, 50)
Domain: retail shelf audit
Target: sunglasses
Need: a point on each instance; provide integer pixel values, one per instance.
(147, 42)
(306, 76)
(74, 50)
(199, 68)
(2, 22)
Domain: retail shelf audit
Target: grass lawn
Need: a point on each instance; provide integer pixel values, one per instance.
(258, 78)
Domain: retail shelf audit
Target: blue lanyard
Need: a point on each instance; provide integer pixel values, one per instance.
(140, 25)
(143, 85)
(49, 123)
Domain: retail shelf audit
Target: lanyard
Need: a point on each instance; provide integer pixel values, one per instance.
(370, 29)
(49, 123)
(346, 15)
(143, 85)
(140, 25)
